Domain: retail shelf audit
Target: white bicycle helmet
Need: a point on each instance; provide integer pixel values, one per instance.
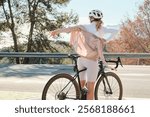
(96, 14)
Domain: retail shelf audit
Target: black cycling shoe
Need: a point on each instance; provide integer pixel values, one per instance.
(84, 93)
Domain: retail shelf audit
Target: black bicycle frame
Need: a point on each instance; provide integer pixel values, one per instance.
(102, 73)
(76, 76)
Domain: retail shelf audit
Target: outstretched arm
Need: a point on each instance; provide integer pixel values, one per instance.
(64, 30)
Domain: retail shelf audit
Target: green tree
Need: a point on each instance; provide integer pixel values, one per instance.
(41, 16)
(45, 15)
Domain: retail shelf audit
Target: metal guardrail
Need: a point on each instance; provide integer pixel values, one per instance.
(33, 54)
(64, 55)
(128, 55)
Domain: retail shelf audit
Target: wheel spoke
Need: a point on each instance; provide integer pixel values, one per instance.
(102, 88)
(61, 87)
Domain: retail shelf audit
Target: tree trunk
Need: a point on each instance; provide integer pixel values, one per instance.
(12, 28)
(30, 42)
(32, 20)
(15, 44)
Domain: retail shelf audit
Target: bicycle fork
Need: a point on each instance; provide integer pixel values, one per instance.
(107, 87)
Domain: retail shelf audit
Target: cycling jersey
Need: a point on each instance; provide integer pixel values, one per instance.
(92, 29)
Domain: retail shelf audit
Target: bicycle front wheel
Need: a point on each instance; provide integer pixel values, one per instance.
(61, 87)
(108, 87)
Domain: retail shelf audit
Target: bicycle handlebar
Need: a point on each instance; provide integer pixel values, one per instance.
(73, 56)
(117, 62)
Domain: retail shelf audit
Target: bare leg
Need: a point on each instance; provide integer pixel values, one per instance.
(90, 94)
(82, 83)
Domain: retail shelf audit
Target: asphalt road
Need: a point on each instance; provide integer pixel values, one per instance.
(27, 81)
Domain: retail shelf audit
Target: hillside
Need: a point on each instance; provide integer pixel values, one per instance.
(123, 46)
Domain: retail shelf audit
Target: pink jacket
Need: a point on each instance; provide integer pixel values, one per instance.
(85, 43)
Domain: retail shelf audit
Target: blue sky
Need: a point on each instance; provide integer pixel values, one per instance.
(115, 11)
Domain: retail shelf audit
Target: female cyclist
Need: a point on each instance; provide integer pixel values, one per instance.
(87, 42)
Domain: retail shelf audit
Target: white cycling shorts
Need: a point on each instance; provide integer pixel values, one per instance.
(90, 74)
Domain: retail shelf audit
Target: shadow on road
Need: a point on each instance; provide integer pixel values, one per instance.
(24, 71)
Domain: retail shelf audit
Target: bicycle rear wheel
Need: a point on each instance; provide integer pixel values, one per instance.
(108, 87)
(61, 87)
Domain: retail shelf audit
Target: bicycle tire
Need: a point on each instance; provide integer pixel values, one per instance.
(52, 89)
(100, 94)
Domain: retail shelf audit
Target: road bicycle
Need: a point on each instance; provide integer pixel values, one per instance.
(63, 86)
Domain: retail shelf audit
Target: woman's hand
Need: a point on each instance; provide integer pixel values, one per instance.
(53, 33)
(64, 30)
